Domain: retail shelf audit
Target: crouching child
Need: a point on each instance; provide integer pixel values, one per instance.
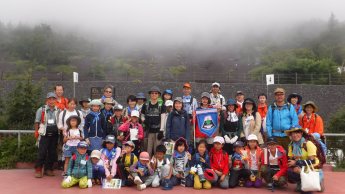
(161, 166)
(142, 171)
(79, 169)
(98, 171)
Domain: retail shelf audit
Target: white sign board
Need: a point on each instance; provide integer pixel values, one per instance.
(270, 79)
(75, 77)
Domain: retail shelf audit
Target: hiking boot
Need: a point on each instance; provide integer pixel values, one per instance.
(38, 173)
(49, 173)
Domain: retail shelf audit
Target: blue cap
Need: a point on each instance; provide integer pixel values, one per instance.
(168, 91)
(231, 102)
(140, 96)
(82, 144)
(51, 95)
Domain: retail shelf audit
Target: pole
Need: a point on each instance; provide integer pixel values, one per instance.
(73, 89)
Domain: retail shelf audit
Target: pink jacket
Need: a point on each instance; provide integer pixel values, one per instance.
(125, 127)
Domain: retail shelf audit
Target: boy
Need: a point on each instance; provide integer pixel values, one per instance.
(79, 169)
(98, 171)
(238, 171)
(161, 167)
(127, 160)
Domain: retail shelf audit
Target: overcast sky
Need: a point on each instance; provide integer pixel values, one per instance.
(168, 19)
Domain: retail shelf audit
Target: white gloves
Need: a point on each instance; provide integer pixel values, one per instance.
(227, 139)
(234, 139)
(68, 179)
(89, 183)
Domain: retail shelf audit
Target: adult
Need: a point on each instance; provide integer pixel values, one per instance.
(239, 101)
(132, 105)
(250, 121)
(46, 128)
(108, 93)
(281, 117)
(311, 121)
(108, 114)
(70, 111)
(190, 104)
(217, 99)
(61, 101)
(296, 100)
(84, 104)
(167, 95)
(151, 117)
(301, 152)
(141, 99)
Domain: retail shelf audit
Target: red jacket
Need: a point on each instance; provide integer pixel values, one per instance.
(62, 105)
(219, 160)
(282, 161)
(314, 124)
(258, 154)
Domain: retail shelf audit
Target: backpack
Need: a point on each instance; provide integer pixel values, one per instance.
(74, 158)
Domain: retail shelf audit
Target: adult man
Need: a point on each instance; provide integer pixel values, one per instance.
(239, 101)
(151, 116)
(108, 93)
(217, 99)
(61, 101)
(189, 103)
(281, 116)
(46, 126)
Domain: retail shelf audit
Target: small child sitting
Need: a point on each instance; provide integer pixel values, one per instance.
(161, 165)
(98, 171)
(253, 162)
(179, 164)
(238, 171)
(142, 171)
(109, 155)
(79, 169)
(201, 162)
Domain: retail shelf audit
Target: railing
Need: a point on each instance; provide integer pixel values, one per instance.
(19, 132)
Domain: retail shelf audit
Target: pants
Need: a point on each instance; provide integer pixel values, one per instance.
(224, 184)
(176, 181)
(82, 183)
(200, 185)
(98, 172)
(268, 173)
(284, 142)
(157, 177)
(147, 180)
(152, 143)
(236, 175)
(47, 152)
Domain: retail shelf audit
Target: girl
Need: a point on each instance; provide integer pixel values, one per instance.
(167, 95)
(142, 171)
(262, 110)
(109, 155)
(94, 128)
(132, 105)
(178, 123)
(107, 112)
(201, 162)
(133, 131)
(296, 100)
(253, 152)
(72, 137)
(164, 117)
(250, 121)
(65, 114)
(85, 109)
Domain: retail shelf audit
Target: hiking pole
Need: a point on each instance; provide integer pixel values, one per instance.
(194, 115)
(272, 188)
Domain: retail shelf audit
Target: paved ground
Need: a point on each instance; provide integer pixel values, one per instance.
(23, 182)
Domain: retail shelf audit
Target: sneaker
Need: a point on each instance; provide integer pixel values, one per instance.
(141, 187)
(38, 173)
(137, 180)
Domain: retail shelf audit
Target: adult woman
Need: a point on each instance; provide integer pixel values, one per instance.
(310, 120)
(296, 100)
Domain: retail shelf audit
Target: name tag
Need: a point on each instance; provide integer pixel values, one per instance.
(83, 162)
(51, 121)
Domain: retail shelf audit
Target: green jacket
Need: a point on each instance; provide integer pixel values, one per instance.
(79, 166)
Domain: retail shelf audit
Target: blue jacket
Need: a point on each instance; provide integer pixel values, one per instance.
(94, 126)
(178, 125)
(281, 119)
(196, 160)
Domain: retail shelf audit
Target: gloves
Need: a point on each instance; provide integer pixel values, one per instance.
(89, 183)
(234, 139)
(68, 179)
(160, 135)
(227, 139)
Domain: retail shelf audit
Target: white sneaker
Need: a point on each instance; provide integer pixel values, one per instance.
(141, 187)
(137, 180)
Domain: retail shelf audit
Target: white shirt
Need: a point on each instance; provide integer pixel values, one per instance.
(71, 133)
(63, 125)
(273, 159)
(254, 165)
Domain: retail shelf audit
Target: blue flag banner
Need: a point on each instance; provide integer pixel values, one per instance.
(207, 121)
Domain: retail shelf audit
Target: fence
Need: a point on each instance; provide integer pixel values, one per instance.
(191, 76)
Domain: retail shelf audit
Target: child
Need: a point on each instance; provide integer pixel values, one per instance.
(98, 171)
(110, 154)
(127, 160)
(72, 137)
(161, 167)
(179, 163)
(79, 169)
(274, 164)
(238, 172)
(133, 131)
(262, 110)
(254, 152)
(164, 117)
(142, 171)
(219, 161)
(178, 124)
(94, 128)
(201, 162)
(85, 109)
(141, 99)
(167, 95)
(132, 105)
(117, 120)
(107, 112)
(229, 125)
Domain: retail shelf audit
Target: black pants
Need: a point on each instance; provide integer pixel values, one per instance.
(47, 151)
(236, 175)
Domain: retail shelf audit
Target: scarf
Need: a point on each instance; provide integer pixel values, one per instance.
(107, 113)
(297, 147)
(95, 116)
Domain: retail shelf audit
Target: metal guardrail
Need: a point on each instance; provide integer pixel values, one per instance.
(19, 132)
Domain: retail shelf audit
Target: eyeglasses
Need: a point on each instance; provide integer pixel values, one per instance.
(108, 91)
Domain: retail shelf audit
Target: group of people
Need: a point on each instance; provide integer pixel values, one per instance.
(157, 141)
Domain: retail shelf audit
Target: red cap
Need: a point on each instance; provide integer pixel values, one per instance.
(187, 85)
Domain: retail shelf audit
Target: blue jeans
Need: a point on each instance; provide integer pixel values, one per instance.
(98, 172)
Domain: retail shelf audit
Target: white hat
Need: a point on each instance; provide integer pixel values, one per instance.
(96, 154)
(96, 102)
(218, 139)
(169, 103)
(135, 113)
(216, 84)
(252, 137)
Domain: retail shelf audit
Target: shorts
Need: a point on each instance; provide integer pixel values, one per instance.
(68, 151)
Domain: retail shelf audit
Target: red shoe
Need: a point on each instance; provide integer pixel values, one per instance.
(38, 173)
